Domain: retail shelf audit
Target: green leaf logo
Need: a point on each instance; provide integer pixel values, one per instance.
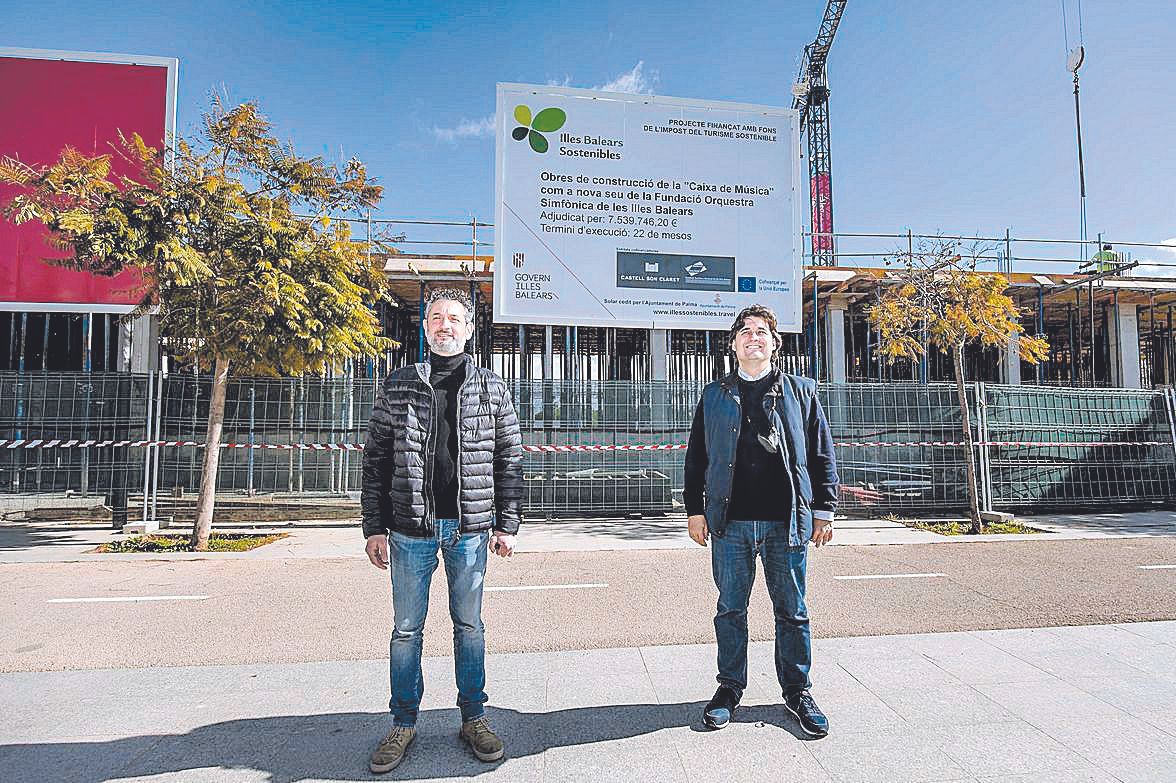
(532, 128)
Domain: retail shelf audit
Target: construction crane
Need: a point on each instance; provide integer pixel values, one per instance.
(811, 98)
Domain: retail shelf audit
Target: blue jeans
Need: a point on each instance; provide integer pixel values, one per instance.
(733, 563)
(413, 561)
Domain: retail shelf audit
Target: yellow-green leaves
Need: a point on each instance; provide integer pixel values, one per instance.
(13, 172)
(213, 233)
(75, 221)
(939, 297)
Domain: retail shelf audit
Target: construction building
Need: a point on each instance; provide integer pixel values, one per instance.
(1103, 330)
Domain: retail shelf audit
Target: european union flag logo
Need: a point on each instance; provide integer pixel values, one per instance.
(747, 285)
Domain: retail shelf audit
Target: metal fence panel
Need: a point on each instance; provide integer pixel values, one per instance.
(884, 433)
(1118, 447)
(47, 407)
(604, 448)
(604, 414)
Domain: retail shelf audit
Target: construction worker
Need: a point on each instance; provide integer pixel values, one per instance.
(1105, 260)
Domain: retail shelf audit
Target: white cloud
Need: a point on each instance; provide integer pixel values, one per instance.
(636, 81)
(466, 129)
(1164, 255)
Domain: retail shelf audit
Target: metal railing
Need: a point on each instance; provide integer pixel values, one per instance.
(132, 444)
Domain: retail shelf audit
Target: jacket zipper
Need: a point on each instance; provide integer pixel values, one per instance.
(430, 501)
(468, 366)
(731, 465)
(785, 454)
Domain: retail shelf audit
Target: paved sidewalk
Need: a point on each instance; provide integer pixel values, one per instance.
(1090, 703)
(61, 542)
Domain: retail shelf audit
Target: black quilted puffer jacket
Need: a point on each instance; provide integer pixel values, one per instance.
(398, 455)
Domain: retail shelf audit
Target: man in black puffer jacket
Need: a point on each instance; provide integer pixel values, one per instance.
(442, 475)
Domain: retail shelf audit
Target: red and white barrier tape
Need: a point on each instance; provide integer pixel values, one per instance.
(1040, 443)
(75, 444)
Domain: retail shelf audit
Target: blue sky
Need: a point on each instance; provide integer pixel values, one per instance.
(953, 117)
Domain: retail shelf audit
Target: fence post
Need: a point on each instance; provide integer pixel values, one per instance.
(1170, 409)
(89, 389)
(348, 416)
(252, 421)
(983, 457)
(147, 430)
(158, 430)
(290, 455)
(301, 431)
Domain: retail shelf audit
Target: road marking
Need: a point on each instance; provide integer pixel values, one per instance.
(889, 576)
(1156, 567)
(128, 598)
(544, 587)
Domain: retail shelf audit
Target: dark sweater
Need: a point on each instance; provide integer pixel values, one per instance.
(446, 375)
(761, 488)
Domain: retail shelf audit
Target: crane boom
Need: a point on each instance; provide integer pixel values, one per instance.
(812, 101)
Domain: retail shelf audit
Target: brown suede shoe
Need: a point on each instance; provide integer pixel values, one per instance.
(482, 739)
(391, 749)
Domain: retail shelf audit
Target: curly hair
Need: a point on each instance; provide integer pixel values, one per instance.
(451, 295)
(757, 311)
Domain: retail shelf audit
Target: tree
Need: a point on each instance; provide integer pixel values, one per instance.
(241, 282)
(937, 298)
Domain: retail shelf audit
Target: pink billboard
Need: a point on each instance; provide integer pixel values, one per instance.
(822, 202)
(54, 99)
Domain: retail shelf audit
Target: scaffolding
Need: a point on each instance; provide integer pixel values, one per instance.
(1079, 312)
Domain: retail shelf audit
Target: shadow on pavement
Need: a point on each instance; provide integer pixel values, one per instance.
(14, 536)
(1138, 523)
(335, 746)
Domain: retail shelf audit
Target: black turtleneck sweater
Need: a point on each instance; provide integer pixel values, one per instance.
(446, 375)
(761, 487)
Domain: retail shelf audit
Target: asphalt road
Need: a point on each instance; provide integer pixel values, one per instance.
(338, 609)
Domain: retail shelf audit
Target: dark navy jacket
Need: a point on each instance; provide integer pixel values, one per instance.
(795, 413)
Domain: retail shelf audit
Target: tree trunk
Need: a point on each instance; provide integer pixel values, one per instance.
(977, 524)
(216, 421)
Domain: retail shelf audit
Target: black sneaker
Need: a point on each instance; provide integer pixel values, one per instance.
(720, 709)
(812, 721)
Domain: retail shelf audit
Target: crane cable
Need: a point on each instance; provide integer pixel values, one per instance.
(1082, 45)
(1066, 26)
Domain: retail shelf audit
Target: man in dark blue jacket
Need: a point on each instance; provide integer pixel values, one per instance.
(761, 479)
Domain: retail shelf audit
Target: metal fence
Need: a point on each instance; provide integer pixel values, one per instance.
(1091, 446)
(117, 443)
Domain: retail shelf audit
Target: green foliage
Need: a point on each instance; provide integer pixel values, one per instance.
(938, 295)
(217, 542)
(213, 230)
(956, 528)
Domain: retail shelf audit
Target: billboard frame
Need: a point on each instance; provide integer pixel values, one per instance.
(172, 65)
(796, 187)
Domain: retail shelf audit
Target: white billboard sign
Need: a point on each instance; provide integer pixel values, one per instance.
(643, 211)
